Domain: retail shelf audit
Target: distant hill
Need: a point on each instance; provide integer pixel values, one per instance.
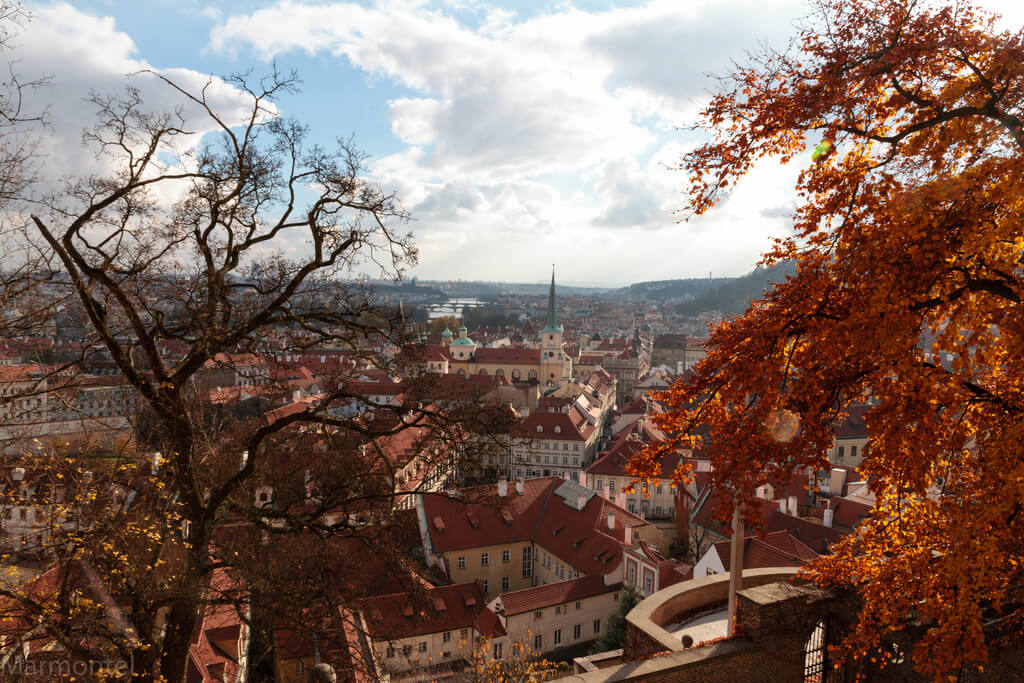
(671, 289)
(733, 296)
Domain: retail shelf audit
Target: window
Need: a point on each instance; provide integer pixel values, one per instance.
(558, 609)
(631, 572)
(407, 650)
(853, 451)
(505, 583)
(575, 446)
(558, 430)
(484, 559)
(600, 484)
(446, 637)
(840, 451)
(527, 562)
(577, 630)
(565, 446)
(597, 626)
(390, 652)
(648, 582)
(462, 562)
(537, 615)
(565, 459)
(611, 485)
(540, 429)
(615, 597)
(423, 646)
(538, 641)
(558, 636)
(498, 650)
(579, 604)
(463, 634)
(661, 489)
(486, 589)
(504, 556)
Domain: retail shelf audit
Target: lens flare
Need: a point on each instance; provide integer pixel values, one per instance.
(783, 425)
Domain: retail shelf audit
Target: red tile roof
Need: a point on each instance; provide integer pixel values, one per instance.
(776, 549)
(548, 595)
(507, 354)
(445, 608)
(581, 538)
(561, 426)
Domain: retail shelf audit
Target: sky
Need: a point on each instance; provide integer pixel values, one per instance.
(516, 134)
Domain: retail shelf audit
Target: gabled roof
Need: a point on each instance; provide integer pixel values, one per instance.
(551, 594)
(445, 608)
(507, 354)
(546, 513)
(775, 549)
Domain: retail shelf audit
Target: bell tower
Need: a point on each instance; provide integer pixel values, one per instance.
(553, 361)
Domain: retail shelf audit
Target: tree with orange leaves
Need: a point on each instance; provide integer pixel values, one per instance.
(908, 242)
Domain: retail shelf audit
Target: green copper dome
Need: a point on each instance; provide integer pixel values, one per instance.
(447, 334)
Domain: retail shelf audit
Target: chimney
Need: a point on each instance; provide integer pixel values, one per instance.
(611, 521)
(793, 509)
(782, 505)
(502, 487)
(18, 473)
(827, 518)
(628, 535)
(520, 487)
(760, 492)
(703, 465)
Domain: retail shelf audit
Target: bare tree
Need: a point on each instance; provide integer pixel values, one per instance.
(233, 249)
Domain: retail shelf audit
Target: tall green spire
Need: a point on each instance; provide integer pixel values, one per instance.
(552, 323)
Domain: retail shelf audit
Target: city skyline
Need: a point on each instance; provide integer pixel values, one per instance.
(515, 135)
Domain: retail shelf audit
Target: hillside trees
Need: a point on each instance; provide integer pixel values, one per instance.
(909, 249)
(227, 254)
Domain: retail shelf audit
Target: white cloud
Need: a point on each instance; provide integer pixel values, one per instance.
(84, 54)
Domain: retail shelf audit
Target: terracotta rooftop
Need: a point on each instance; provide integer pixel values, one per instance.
(775, 549)
(548, 595)
(446, 608)
(545, 513)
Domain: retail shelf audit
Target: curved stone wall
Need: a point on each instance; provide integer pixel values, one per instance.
(645, 634)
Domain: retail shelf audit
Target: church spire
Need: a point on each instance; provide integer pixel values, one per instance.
(552, 323)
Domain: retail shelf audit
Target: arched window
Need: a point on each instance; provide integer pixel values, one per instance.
(515, 374)
(499, 372)
(533, 374)
(483, 371)
(462, 372)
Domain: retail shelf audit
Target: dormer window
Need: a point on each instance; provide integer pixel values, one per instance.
(558, 430)
(540, 428)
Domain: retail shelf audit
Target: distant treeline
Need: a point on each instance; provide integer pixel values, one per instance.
(735, 294)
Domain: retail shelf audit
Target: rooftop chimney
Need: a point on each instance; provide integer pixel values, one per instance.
(520, 487)
(628, 535)
(829, 512)
(782, 505)
(611, 521)
(703, 465)
(18, 473)
(502, 487)
(793, 509)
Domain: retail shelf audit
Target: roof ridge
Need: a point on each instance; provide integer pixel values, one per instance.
(543, 509)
